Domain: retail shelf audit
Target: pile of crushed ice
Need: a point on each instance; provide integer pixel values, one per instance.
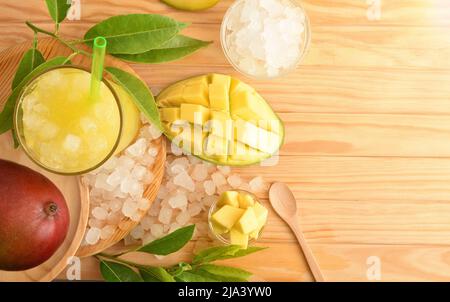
(189, 188)
(117, 188)
(264, 37)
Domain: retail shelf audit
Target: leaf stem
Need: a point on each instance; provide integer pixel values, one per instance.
(43, 31)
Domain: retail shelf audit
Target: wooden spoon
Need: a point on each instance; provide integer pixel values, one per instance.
(284, 203)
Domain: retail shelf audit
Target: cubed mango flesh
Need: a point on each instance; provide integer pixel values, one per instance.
(261, 214)
(196, 94)
(170, 114)
(172, 97)
(238, 238)
(219, 98)
(216, 147)
(247, 105)
(221, 124)
(221, 79)
(229, 198)
(255, 137)
(227, 216)
(245, 201)
(219, 230)
(222, 102)
(193, 113)
(248, 222)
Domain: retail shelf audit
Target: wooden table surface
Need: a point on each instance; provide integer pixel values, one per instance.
(367, 150)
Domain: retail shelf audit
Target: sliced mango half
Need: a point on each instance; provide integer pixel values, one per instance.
(238, 127)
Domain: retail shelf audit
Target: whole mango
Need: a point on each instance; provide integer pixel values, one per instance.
(34, 218)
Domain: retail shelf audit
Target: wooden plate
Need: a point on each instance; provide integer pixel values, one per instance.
(50, 48)
(77, 201)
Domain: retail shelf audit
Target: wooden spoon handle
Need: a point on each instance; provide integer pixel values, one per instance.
(312, 262)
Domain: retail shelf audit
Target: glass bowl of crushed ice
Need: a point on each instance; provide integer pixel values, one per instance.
(265, 38)
(237, 218)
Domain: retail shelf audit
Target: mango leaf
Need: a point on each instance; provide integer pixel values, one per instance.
(30, 60)
(170, 243)
(134, 33)
(174, 49)
(6, 116)
(117, 272)
(155, 274)
(223, 252)
(215, 253)
(223, 273)
(139, 92)
(58, 9)
(193, 277)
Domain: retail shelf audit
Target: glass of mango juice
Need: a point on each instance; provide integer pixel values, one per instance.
(64, 130)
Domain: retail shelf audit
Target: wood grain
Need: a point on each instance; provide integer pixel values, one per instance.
(367, 120)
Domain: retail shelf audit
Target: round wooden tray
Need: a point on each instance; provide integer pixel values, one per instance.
(76, 197)
(9, 59)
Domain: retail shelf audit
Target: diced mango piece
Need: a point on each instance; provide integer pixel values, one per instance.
(216, 147)
(219, 229)
(170, 114)
(248, 222)
(229, 198)
(227, 216)
(238, 238)
(201, 80)
(241, 152)
(256, 138)
(261, 214)
(172, 96)
(221, 79)
(196, 114)
(218, 97)
(221, 124)
(249, 106)
(245, 201)
(237, 85)
(196, 94)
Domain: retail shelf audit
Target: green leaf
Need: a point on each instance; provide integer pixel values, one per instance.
(30, 60)
(155, 274)
(6, 116)
(176, 48)
(215, 253)
(117, 272)
(224, 273)
(139, 92)
(224, 252)
(194, 277)
(134, 33)
(170, 243)
(58, 9)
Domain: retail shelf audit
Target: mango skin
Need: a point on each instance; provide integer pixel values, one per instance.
(173, 91)
(28, 234)
(191, 5)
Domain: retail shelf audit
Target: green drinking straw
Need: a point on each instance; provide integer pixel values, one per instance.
(98, 60)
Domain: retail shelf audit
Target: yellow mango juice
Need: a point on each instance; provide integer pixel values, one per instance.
(65, 131)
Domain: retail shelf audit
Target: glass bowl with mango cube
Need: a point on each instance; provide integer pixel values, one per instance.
(237, 218)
